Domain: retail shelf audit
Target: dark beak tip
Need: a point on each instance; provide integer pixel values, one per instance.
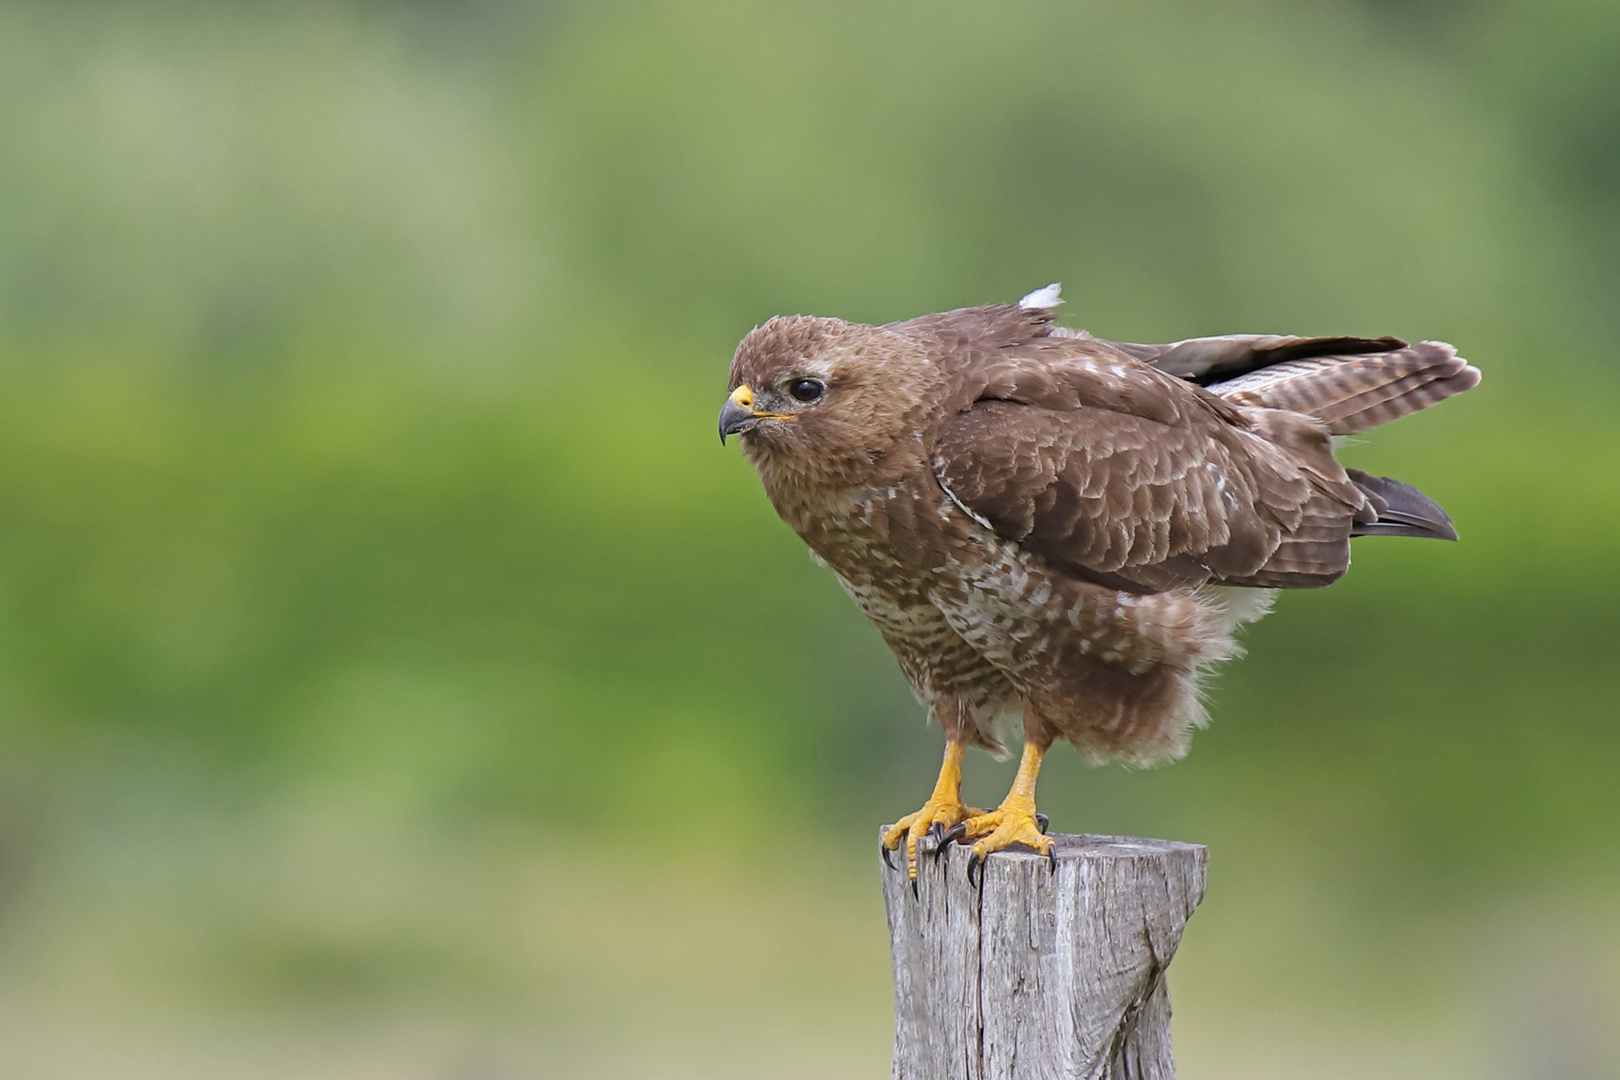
(734, 420)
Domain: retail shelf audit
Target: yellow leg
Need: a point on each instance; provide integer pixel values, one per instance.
(1014, 821)
(943, 809)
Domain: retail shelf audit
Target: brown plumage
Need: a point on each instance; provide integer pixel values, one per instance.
(1047, 523)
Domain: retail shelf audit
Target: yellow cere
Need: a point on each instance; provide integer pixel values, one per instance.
(743, 397)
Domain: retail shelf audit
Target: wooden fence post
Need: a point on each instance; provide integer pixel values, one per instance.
(1036, 973)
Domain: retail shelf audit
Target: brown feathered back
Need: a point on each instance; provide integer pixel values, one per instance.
(1100, 457)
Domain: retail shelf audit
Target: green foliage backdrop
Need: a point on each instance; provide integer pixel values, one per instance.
(397, 680)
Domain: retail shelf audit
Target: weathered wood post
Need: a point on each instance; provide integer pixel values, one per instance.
(1036, 973)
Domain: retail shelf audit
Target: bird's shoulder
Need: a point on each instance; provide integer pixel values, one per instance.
(1005, 352)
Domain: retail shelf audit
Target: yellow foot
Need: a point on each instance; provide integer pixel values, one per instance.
(1003, 827)
(926, 828)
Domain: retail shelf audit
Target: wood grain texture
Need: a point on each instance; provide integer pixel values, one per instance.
(1037, 973)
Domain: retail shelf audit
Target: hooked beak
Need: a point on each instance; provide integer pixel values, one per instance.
(738, 417)
(737, 414)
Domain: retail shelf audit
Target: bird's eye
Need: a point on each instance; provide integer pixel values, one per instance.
(806, 390)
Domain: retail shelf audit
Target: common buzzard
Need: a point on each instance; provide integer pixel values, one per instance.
(1046, 523)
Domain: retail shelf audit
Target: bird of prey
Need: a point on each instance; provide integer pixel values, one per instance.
(1046, 524)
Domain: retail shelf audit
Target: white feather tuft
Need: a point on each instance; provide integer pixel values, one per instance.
(1049, 297)
(1239, 605)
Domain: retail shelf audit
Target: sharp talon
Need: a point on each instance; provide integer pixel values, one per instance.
(1041, 821)
(974, 860)
(955, 832)
(883, 849)
(915, 895)
(1051, 857)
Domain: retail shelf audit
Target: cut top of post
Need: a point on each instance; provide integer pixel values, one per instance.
(1040, 971)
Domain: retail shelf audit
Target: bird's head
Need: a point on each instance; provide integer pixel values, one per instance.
(823, 398)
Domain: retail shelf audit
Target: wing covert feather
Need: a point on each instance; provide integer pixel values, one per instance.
(1134, 503)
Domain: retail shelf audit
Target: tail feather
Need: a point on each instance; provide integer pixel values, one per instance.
(1402, 510)
(1316, 551)
(1354, 393)
(1209, 360)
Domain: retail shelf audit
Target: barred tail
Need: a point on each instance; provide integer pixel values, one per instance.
(1354, 393)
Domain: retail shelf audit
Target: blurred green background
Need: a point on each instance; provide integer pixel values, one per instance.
(398, 681)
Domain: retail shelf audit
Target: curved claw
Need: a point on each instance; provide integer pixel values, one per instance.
(915, 895)
(955, 832)
(1041, 823)
(1051, 856)
(883, 850)
(975, 862)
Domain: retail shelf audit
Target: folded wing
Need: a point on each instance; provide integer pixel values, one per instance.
(1135, 480)
(1147, 467)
